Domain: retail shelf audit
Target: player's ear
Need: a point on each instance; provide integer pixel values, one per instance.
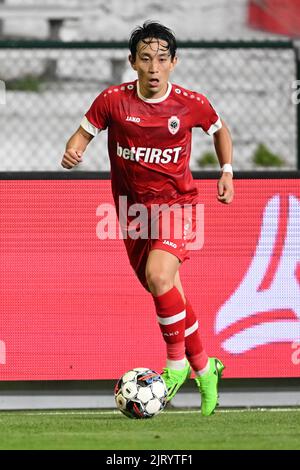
(174, 63)
(131, 61)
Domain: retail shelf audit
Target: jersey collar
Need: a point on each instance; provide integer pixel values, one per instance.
(153, 100)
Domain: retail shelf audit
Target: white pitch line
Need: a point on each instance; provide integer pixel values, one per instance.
(116, 412)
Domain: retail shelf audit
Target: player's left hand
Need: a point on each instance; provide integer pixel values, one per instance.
(225, 189)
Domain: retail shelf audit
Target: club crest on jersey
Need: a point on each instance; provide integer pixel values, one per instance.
(173, 124)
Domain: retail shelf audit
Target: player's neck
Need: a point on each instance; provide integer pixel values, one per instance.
(155, 98)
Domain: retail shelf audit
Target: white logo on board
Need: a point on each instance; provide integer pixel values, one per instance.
(2, 352)
(283, 293)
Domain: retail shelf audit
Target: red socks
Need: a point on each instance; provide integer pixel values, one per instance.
(170, 311)
(179, 327)
(195, 352)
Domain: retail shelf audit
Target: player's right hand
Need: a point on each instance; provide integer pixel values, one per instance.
(71, 158)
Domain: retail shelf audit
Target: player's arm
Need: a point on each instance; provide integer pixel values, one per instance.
(223, 147)
(75, 148)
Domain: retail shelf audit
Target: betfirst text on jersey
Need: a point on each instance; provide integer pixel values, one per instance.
(148, 154)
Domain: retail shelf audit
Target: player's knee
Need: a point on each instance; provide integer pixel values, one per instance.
(159, 281)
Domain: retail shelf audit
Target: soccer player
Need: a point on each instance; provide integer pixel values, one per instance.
(149, 124)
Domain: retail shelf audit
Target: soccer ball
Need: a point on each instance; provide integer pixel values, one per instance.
(140, 393)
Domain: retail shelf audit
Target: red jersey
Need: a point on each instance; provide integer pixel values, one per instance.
(149, 141)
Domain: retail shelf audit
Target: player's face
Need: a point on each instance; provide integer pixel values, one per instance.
(153, 65)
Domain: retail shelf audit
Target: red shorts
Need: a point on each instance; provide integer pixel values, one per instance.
(184, 229)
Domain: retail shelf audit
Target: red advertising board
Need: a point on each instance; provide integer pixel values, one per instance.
(71, 307)
(275, 16)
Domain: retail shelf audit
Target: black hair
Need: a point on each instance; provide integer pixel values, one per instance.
(152, 30)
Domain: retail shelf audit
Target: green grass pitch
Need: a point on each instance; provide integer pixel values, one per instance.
(180, 430)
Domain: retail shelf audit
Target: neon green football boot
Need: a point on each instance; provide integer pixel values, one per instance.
(208, 386)
(174, 379)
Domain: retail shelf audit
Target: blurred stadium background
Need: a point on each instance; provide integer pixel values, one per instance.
(56, 56)
(246, 73)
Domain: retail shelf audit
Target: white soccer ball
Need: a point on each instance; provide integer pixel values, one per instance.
(141, 393)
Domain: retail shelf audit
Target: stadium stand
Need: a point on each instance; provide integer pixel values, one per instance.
(53, 14)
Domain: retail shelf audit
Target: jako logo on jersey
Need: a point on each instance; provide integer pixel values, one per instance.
(283, 293)
(174, 124)
(149, 155)
(133, 119)
(167, 242)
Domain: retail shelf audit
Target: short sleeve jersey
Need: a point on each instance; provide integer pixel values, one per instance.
(149, 141)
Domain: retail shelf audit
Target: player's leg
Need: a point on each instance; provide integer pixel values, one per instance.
(208, 370)
(195, 351)
(160, 273)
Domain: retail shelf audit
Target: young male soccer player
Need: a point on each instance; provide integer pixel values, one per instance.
(149, 124)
